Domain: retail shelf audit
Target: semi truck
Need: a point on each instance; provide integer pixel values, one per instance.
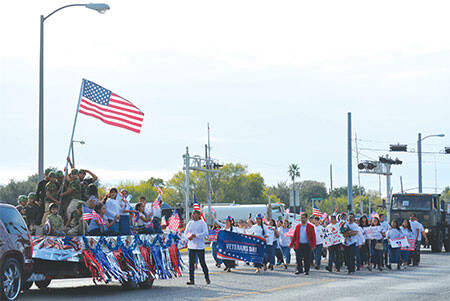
(432, 212)
(238, 212)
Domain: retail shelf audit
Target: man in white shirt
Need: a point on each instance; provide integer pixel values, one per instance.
(196, 231)
(418, 230)
(350, 243)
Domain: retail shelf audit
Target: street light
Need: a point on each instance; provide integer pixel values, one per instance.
(419, 153)
(73, 155)
(99, 7)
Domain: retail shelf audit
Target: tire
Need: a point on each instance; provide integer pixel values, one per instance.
(11, 279)
(43, 284)
(129, 285)
(436, 245)
(146, 284)
(26, 285)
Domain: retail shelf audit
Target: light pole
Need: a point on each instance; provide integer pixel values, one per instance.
(73, 153)
(101, 8)
(419, 154)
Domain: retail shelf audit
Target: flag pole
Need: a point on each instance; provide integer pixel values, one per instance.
(70, 142)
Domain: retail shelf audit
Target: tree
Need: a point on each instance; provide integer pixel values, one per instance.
(10, 192)
(310, 189)
(342, 191)
(282, 192)
(294, 172)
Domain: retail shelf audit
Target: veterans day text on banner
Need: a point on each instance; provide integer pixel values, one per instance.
(241, 247)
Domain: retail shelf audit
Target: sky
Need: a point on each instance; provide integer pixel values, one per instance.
(275, 80)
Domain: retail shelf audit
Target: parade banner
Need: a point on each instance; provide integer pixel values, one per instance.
(412, 244)
(399, 242)
(236, 246)
(332, 236)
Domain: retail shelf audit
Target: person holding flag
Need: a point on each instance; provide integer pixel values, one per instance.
(197, 207)
(99, 225)
(196, 231)
(156, 212)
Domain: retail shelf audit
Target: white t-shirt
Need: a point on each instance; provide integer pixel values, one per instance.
(124, 205)
(414, 226)
(283, 239)
(319, 234)
(257, 230)
(349, 240)
(394, 233)
(376, 232)
(241, 230)
(360, 239)
(385, 226)
(200, 229)
(408, 233)
(112, 208)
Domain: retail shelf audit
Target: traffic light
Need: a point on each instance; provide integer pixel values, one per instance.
(367, 165)
(361, 166)
(397, 161)
(398, 147)
(217, 165)
(371, 165)
(447, 150)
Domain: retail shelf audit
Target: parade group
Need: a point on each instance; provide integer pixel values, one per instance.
(62, 203)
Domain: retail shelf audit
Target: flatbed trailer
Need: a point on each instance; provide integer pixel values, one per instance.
(133, 260)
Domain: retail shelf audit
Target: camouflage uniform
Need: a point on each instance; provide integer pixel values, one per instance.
(57, 224)
(52, 188)
(76, 228)
(75, 196)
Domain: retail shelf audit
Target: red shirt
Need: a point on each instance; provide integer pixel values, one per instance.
(310, 233)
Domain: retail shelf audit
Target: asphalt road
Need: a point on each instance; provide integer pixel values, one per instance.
(429, 281)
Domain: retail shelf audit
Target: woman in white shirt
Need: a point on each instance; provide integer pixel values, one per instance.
(409, 234)
(376, 243)
(394, 252)
(112, 210)
(271, 245)
(260, 230)
(285, 242)
(228, 226)
(319, 242)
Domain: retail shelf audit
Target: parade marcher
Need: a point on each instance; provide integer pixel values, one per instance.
(334, 251)
(284, 242)
(319, 242)
(394, 252)
(242, 227)
(365, 248)
(196, 231)
(360, 242)
(51, 195)
(385, 225)
(418, 231)
(350, 242)
(32, 212)
(125, 210)
(259, 230)
(41, 195)
(376, 243)
(303, 242)
(408, 233)
(112, 210)
(278, 252)
(228, 226)
(218, 261)
(85, 182)
(269, 256)
(75, 224)
(97, 228)
(55, 221)
(72, 195)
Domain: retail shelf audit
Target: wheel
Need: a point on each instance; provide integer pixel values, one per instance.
(43, 284)
(146, 284)
(11, 279)
(26, 285)
(129, 285)
(447, 245)
(436, 244)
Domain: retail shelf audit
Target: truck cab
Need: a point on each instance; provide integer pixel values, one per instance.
(431, 212)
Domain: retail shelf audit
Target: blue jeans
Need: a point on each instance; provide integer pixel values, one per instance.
(114, 229)
(376, 256)
(214, 252)
(157, 224)
(287, 254)
(318, 254)
(358, 257)
(394, 255)
(269, 256)
(124, 225)
(404, 255)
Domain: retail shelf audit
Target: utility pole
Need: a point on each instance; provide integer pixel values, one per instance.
(186, 165)
(331, 188)
(349, 166)
(388, 190)
(401, 184)
(361, 207)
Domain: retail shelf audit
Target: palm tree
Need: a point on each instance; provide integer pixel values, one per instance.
(294, 171)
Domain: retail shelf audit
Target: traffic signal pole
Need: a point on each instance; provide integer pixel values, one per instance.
(349, 166)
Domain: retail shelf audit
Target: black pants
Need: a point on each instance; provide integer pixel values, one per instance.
(279, 255)
(303, 252)
(201, 258)
(350, 260)
(229, 263)
(334, 256)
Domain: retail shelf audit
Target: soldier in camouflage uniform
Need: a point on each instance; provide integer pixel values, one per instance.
(55, 221)
(75, 224)
(73, 192)
(40, 193)
(32, 212)
(84, 182)
(51, 195)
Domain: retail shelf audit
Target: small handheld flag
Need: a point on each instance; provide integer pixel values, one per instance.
(174, 221)
(89, 214)
(197, 207)
(316, 211)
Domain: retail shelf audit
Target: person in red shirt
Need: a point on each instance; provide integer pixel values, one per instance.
(303, 241)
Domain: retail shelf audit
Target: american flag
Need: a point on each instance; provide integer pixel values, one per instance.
(197, 207)
(316, 211)
(163, 221)
(109, 107)
(174, 221)
(92, 214)
(159, 190)
(265, 221)
(157, 202)
(374, 214)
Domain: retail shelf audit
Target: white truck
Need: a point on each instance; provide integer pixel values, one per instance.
(238, 212)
